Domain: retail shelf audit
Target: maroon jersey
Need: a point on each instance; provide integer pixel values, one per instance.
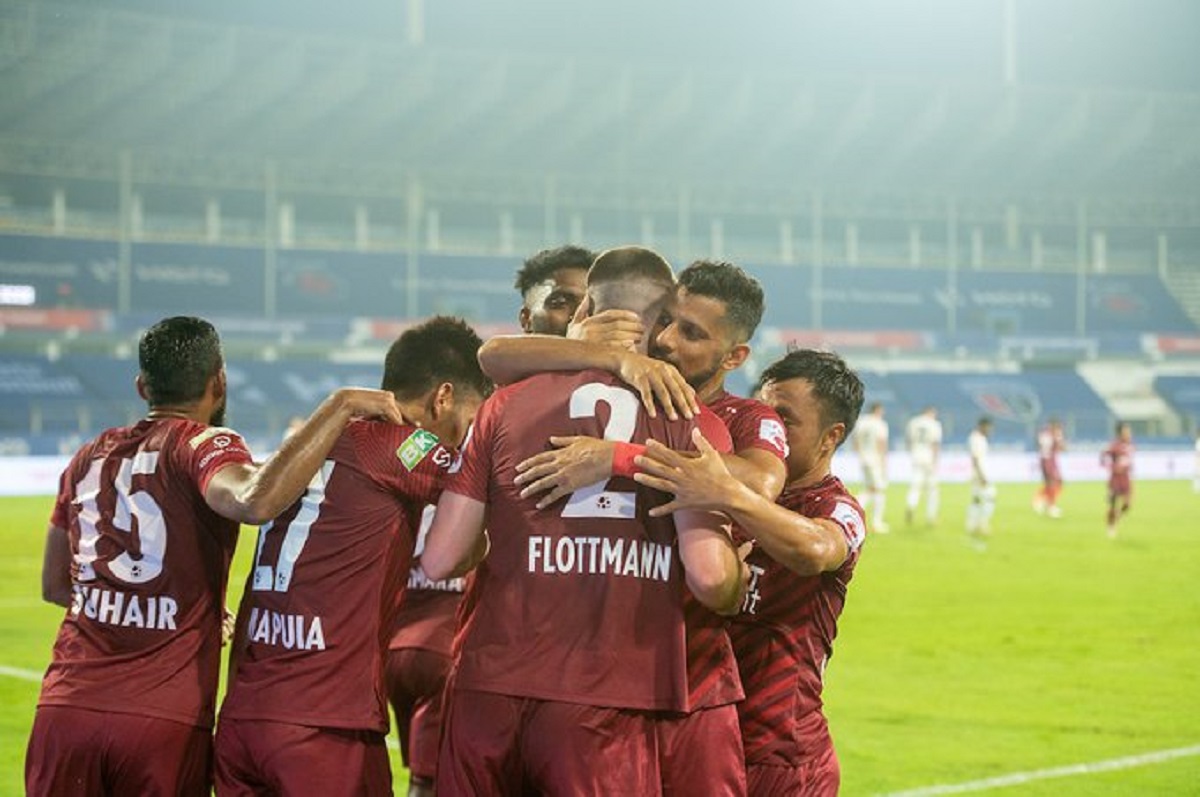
(317, 612)
(784, 635)
(425, 619)
(150, 562)
(713, 677)
(751, 424)
(1118, 458)
(581, 602)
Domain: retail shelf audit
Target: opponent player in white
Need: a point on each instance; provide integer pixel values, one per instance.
(924, 439)
(871, 443)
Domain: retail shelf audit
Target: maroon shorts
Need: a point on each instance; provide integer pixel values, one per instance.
(818, 777)
(495, 744)
(415, 680)
(1120, 488)
(1050, 472)
(256, 756)
(701, 753)
(77, 751)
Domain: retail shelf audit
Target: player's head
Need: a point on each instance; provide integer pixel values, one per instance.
(552, 284)
(716, 310)
(876, 409)
(181, 367)
(819, 398)
(1124, 431)
(434, 371)
(984, 425)
(632, 278)
(930, 410)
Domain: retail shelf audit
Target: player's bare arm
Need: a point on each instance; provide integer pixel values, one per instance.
(804, 545)
(576, 462)
(56, 567)
(713, 569)
(508, 358)
(255, 493)
(456, 541)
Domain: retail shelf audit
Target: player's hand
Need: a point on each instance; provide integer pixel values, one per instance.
(658, 382)
(620, 328)
(697, 482)
(362, 402)
(575, 462)
(228, 625)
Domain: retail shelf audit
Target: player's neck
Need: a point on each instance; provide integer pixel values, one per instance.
(191, 413)
(813, 477)
(711, 390)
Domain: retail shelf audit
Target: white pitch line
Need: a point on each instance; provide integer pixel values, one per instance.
(1020, 778)
(17, 672)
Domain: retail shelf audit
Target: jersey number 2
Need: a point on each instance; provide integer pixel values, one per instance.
(594, 501)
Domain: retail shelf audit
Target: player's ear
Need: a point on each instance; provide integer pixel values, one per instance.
(219, 385)
(736, 357)
(140, 384)
(834, 435)
(442, 400)
(523, 319)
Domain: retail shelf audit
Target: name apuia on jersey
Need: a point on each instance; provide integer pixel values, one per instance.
(600, 556)
(156, 612)
(289, 631)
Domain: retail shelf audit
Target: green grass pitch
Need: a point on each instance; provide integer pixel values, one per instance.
(1053, 647)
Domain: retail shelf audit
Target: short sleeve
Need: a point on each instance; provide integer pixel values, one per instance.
(473, 472)
(850, 520)
(212, 449)
(60, 516)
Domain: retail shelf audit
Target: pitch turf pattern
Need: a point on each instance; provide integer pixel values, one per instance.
(1052, 648)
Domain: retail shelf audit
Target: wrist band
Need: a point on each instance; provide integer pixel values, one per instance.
(623, 456)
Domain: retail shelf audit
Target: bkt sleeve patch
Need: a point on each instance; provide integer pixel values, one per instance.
(416, 448)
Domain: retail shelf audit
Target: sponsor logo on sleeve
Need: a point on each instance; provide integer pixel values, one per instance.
(851, 522)
(210, 432)
(416, 448)
(772, 431)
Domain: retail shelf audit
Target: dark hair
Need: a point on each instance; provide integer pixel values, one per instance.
(625, 263)
(177, 356)
(834, 384)
(741, 294)
(875, 405)
(984, 420)
(443, 349)
(539, 267)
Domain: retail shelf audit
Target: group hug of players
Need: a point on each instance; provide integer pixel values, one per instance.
(572, 562)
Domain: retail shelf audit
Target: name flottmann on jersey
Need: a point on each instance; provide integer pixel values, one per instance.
(600, 556)
(290, 631)
(156, 612)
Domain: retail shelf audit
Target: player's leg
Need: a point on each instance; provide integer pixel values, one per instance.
(879, 524)
(415, 679)
(571, 749)
(701, 753)
(297, 759)
(1112, 512)
(236, 770)
(915, 487)
(91, 752)
(65, 754)
(933, 501)
(479, 751)
(987, 509)
(820, 776)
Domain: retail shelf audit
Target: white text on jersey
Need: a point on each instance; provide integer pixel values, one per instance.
(600, 556)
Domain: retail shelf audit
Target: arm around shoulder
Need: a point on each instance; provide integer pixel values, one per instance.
(255, 493)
